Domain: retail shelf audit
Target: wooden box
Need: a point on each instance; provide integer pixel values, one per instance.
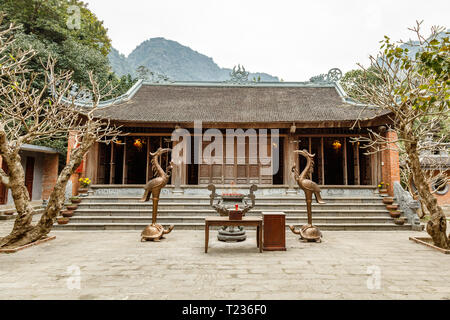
(274, 231)
(235, 215)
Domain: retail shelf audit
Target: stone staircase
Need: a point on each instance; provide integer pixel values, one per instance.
(8, 212)
(119, 209)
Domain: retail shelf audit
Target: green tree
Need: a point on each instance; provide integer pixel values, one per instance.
(64, 29)
(353, 78)
(414, 91)
(70, 33)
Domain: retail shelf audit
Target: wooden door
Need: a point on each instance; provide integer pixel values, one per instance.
(3, 189)
(243, 167)
(29, 176)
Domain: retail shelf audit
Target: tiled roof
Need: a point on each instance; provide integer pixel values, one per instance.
(241, 104)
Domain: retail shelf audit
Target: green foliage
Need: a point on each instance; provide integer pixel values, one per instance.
(47, 27)
(51, 20)
(121, 85)
(432, 62)
(352, 78)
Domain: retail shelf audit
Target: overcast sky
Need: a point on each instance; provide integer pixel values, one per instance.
(293, 40)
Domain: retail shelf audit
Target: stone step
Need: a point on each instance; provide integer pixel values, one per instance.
(211, 212)
(199, 219)
(200, 226)
(3, 216)
(260, 206)
(205, 199)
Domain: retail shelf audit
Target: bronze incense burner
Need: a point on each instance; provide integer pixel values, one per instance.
(232, 205)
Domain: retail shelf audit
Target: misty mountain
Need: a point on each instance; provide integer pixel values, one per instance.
(178, 62)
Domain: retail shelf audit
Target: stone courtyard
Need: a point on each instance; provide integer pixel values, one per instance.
(116, 265)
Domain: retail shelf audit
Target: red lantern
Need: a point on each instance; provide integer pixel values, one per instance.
(80, 168)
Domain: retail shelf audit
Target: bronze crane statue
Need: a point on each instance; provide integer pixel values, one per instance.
(155, 232)
(308, 232)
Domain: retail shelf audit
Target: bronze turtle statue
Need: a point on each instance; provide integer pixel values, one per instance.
(308, 232)
(155, 232)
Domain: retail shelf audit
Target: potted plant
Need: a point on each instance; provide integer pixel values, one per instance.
(382, 187)
(392, 207)
(84, 185)
(62, 220)
(75, 200)
(400, 221)
(9, 212)
(72, 207)
(67, 213)
(395, 214)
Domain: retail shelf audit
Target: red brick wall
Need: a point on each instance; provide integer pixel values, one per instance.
(443, 199)
(391, 162)
(49, 175)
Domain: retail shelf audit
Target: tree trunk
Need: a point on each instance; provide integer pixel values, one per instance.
(24, 232)
(437, 226)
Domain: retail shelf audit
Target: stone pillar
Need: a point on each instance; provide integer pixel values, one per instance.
(50, 174)
(290, 161)
(390, 162)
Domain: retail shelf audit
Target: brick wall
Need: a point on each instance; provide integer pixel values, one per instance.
(49, 174)
(444, 199)
(391, 162)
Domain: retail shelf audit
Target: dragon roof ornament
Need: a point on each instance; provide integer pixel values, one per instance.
(239, 75)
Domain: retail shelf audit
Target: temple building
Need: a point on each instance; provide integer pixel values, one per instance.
(316, 116)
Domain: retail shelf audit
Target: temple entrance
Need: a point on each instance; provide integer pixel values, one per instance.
(333, 149)
(29, 176)
(242, 166)
(129, 160)
(136, 160)
(337, 161)
(3, 189)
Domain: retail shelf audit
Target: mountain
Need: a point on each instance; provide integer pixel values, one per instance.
(178, 62)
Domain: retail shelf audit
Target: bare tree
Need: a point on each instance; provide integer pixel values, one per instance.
(28, 115)
(413, 92)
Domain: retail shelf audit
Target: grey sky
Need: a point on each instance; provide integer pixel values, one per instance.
(290, 39)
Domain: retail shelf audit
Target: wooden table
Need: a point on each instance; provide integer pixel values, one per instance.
(226, 222)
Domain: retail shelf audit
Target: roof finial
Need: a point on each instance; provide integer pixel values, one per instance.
(239, 76)
(334, 75)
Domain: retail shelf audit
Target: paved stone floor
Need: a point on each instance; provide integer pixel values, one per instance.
(115, 265)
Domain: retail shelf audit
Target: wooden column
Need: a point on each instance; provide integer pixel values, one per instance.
(147, 168)
(125, 166)
(345, 162)
(322, 164)
(310, 144)
(357, 171)
(176, 176)
(112, 166)
(289, 161)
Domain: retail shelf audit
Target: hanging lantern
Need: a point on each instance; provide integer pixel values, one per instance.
(337, 145)
(138, 143)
